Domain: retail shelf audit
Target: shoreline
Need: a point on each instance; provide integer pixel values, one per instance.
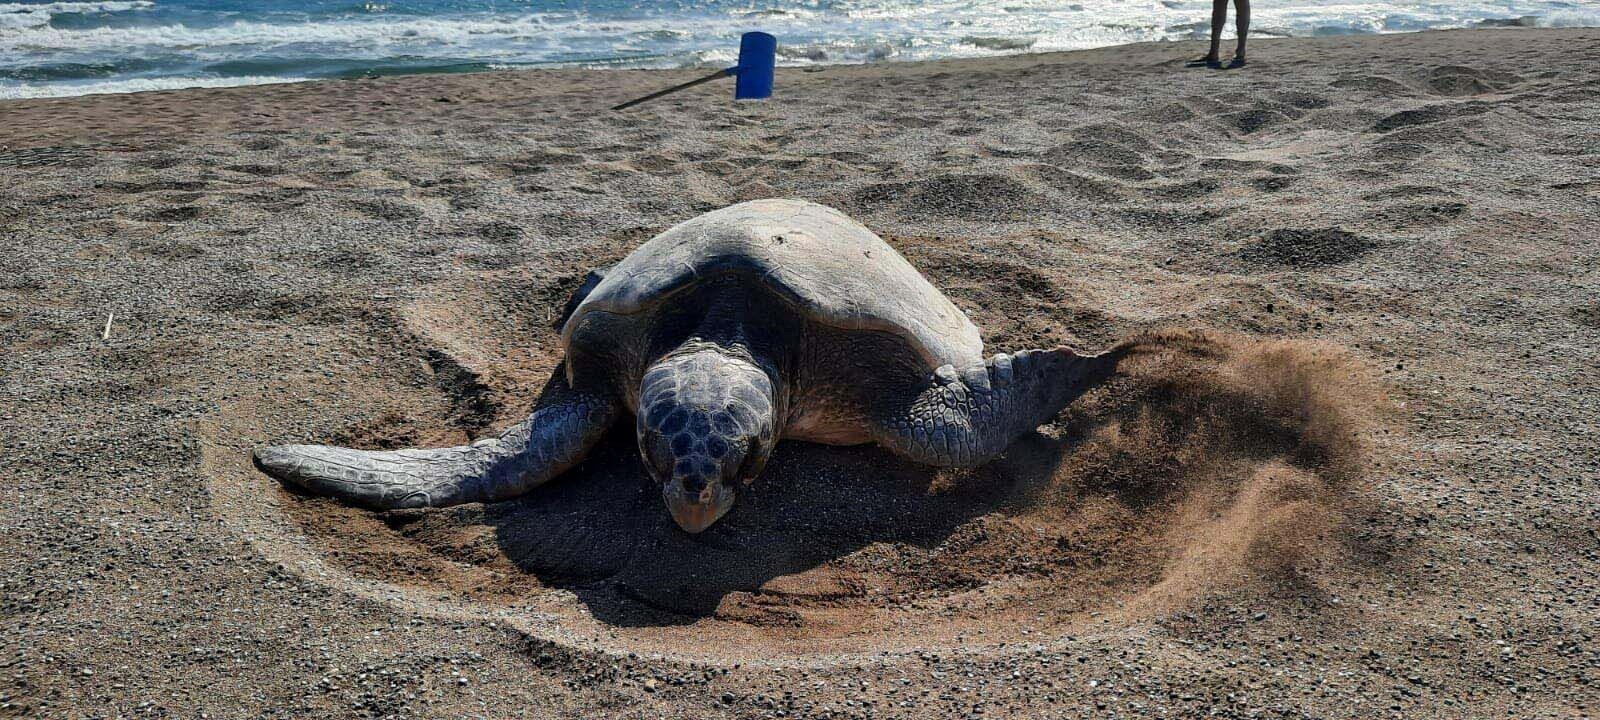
(84, 50)
(444, 66)
(608, 86)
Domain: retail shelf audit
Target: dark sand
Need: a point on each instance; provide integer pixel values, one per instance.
(1352, 476)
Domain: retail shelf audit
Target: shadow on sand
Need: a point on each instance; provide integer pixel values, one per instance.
(602, 532)
(1197, 427)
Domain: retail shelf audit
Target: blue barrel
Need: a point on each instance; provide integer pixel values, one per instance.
(757, 54)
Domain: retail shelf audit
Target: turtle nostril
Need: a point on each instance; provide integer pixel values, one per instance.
(692, 484)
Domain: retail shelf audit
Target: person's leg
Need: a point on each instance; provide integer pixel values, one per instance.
(1219, 17)
(1241, 22)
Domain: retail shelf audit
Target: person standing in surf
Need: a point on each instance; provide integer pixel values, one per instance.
(1241, 22)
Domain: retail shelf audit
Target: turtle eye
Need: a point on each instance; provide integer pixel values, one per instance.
(755, 459)
(656, 450)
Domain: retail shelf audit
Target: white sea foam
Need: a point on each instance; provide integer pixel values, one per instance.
(46, 90)
(75, 7)
(27, 15)
(1572, 18)
(917, 30)
(354, 33)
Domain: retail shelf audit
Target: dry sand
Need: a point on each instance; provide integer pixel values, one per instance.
(1353, 475)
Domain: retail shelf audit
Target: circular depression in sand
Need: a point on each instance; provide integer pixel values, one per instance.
(1206, 461)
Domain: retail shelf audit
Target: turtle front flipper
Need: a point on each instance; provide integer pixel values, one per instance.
(565, 423)
(590, 282)
(960, 419)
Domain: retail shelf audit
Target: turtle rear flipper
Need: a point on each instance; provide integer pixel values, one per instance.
(961, 419)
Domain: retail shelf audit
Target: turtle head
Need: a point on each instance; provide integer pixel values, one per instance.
(706, 426)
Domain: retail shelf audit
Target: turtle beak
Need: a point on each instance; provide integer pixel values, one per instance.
(697, 511)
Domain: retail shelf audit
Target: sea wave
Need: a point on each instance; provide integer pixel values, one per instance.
(932, 29)
(1571, 18)
(28, 15)
(221, 38)
(75, 7)
(131, 85)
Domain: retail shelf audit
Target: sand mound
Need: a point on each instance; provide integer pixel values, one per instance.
(1302, 248)
(1458, 80)
(1209, 461)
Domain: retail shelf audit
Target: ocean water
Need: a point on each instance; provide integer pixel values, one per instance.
(72, 48)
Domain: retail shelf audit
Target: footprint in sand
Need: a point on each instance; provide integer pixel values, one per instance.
(1077, 187)
(245, 293)
(1430, 114)
(1182, 191)
(277, 199)
(499, 231)
(1302, 100)
(1398, 148)
(181, 213)
(1170, 113)
(135, 188)
(350, 260)
(1107, 158)
(160, 161)
(1273, 183)
(255, 169)
(1262, 175)
(1420, 215)
(1586, 315)
(387, 209)
(1254, 120)
(956, 196)
(1407, 192)
(1460, 81)
(1373, 83)
(261, 143)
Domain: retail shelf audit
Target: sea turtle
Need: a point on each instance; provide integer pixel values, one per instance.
(764, 320)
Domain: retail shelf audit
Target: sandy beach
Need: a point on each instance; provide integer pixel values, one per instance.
(1354, 477)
